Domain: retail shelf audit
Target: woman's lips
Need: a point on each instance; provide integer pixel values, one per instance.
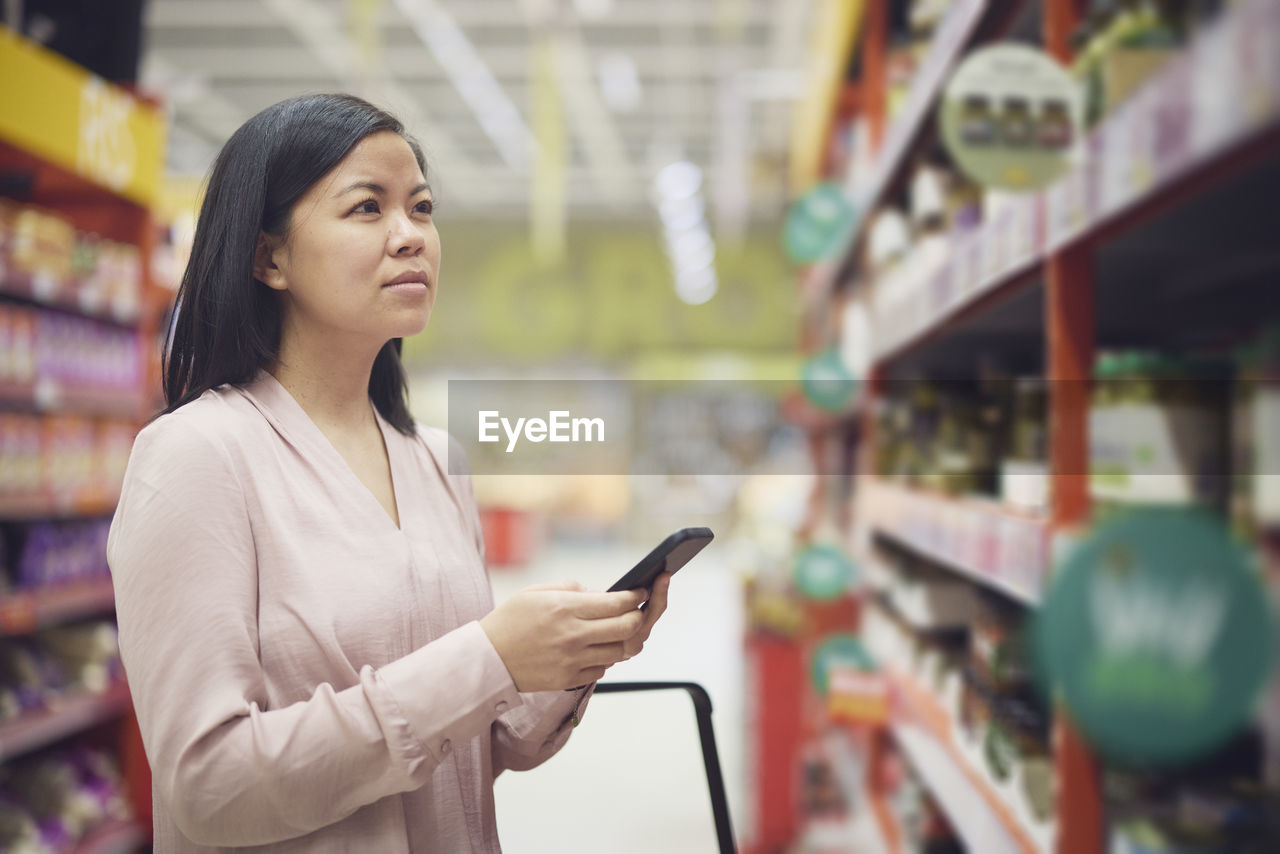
(412, 280)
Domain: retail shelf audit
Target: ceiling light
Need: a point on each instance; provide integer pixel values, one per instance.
(474, 81)
(593, 10)
(695, 287)
(681, 214)
(678, 180)
(619, 82)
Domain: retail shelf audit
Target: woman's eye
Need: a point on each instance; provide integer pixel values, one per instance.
(367, 206)
(426, 206)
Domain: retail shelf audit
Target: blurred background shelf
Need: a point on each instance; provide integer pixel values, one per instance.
(65, 716)
(116, 837)
(24, 611)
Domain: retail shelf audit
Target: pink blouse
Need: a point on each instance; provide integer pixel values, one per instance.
(307, 676)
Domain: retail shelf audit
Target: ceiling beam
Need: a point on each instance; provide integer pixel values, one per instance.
(331, 46)
(506, 62)
(473, 15)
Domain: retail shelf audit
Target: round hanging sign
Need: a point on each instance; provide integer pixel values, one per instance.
(823, 572)
(841, 651)
(827, 382)
(817, 223)
(1156, 635)
(1010, 117)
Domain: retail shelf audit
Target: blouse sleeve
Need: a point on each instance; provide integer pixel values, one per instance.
(229, 770)
(529, 734)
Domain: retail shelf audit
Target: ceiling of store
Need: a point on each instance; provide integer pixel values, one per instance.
(716, 82)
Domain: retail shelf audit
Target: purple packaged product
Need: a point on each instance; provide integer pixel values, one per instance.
(54, 833)
(35, 552)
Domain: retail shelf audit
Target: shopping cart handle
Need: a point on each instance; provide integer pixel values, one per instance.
(706, 734)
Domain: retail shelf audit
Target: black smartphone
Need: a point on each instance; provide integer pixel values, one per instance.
(671, 554)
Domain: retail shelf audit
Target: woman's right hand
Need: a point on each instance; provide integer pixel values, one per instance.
(557, 636)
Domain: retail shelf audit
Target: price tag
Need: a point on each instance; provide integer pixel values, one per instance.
(1173, 118)
(44, 287)
(1113, 163)
(940, 292)
(857, 697)
(1213, 76)
(17, 614)
(89, 299)
(1258, 50)
(48, 394)
(1143, 123)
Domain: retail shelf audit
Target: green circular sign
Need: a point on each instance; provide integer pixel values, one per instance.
(1156, 635)
(827, 382)
(823, 572)
(1010, 117)
(841, 651)
(817, 223)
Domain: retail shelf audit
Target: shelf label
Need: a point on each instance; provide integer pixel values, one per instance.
(1011, 117)
(857, 697)
(56, 110)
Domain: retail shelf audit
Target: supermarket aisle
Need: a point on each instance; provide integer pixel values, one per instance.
(631, 777)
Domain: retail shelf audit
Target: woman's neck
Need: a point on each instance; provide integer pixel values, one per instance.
(330, 384)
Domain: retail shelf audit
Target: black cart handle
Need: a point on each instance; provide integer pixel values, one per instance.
(706, 734)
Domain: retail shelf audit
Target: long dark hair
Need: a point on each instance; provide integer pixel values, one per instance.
(227, 326)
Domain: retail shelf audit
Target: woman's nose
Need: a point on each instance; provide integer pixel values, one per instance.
(406, 238)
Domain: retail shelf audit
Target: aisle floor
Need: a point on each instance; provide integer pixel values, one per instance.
(631, 778)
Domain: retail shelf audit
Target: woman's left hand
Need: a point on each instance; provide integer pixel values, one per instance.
(653, 610)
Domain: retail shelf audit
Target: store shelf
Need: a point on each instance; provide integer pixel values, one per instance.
(982, 540)
(65, 716)
(46, 505)
(25, 611)
(66, 295)
(117, 837)
(949, 42)
(985, 817)
(1174, 129)
(48, 395)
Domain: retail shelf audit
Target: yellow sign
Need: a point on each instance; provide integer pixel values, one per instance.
(835, 31)
(52, 108)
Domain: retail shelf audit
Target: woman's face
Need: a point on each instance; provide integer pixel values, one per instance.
(361, 260)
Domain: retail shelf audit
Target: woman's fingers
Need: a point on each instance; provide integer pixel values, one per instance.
(612, 629)
(604, 654)
(597, 606)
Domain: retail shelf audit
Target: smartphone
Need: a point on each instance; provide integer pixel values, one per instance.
(671, 554)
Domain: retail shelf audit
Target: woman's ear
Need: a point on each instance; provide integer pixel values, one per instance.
(264, 263)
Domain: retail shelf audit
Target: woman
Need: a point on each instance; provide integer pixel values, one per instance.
(304, 613)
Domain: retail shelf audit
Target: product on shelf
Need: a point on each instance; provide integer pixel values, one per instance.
(44, 257)
(37, 670)
(48, 553)
(50, 802)
(89, 653)
(967, 438)
(927, 597)
(1157, 431)
(1218, 804)
(1118, 46)
(1255, 437)
(50, 462)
